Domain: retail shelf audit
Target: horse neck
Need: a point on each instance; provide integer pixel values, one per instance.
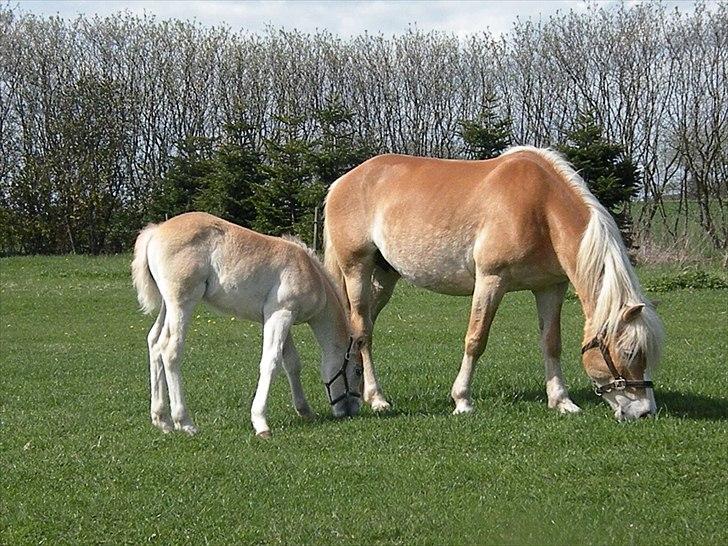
(331, 330)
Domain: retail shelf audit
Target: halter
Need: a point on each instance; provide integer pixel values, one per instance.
(619, 383)
(342, 372)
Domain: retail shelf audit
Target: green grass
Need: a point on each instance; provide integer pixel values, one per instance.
(80, 462)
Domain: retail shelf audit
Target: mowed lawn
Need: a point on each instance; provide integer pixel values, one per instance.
(80, 462)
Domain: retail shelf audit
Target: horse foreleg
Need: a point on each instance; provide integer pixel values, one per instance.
(292, 365)
(275, 331)
(159, 405)
(489, 290)
(359, 291)
(549, 302)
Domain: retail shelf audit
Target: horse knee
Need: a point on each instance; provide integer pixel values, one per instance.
(474, 345)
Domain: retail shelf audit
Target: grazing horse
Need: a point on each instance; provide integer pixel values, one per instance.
(278, 282)
(522, 221)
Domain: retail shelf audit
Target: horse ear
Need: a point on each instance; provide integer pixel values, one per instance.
(630, 313)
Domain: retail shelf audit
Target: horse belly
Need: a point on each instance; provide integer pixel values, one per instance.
(440, 268)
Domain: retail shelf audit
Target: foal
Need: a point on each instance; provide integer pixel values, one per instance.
(278, 282)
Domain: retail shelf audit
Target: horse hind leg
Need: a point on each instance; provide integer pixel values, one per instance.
(549, 302)
(172, 345)
(489, 290)
(292, 366)
(159, 405)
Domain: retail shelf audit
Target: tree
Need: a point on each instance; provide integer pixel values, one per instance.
(487, 135)
(610, 175)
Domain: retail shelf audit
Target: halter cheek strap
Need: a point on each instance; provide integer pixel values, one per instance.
(342, 373)
(619, 383)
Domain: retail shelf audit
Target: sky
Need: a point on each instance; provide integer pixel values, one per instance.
(344, 18)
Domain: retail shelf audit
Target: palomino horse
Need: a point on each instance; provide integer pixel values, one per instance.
(522, 221)
(196, 256)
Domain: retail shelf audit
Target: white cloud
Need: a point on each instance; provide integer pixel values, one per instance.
(345, 18)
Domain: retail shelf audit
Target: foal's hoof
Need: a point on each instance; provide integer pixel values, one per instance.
(187, 428)
(567, 406)
(380, 405)
(264, 434)
(463, 407)
(165, 425)
(307, 416)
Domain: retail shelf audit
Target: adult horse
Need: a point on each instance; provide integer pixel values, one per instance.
(522, 221)
(278, 282)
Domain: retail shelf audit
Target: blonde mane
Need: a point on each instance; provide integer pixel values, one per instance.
(324, 272)
(604, 271)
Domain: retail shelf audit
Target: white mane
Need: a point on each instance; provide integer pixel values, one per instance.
(604, 271)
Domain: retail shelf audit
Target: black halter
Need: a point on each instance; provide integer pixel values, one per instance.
(342, 373)
(619, 383)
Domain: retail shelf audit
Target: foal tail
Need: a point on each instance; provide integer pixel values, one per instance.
(146, 287)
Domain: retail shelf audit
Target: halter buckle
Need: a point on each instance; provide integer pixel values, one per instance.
(619, 384)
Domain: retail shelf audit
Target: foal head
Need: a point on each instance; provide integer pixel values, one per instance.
(620, 358)
(345, 383)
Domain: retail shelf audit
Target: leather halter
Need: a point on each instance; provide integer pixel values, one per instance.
(619, 383)
(342, 373)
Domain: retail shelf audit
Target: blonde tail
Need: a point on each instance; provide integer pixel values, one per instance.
(146, 287)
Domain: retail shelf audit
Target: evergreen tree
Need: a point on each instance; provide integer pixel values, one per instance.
(609, 173)
(214, 178)
(283, 200)
(489, 134)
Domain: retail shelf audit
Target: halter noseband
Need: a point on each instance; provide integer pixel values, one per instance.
(619, 383)
(342, 373)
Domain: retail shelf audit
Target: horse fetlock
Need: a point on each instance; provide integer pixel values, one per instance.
(162, 422)
(186, 426)
(377, 402)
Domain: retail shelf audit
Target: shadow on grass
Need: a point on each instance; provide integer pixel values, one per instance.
(686, 405)
(674, 404)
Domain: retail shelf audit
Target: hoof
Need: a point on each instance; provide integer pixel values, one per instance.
(463, 407)
(188, 428)
(380, 405)
(567, 406)
(264, 434)
(165, 425)
(307, 416)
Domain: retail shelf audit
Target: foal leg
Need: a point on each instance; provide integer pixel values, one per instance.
(489, 290)
(359, 289)
(159, 407)
(548, 302)
(172, 345)
(275, 332)
(292, 365)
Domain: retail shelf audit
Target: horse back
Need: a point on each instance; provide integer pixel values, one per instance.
(437, 221)
(241, 272)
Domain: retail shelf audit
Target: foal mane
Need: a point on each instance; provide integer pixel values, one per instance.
(604, 271)
(328, 279)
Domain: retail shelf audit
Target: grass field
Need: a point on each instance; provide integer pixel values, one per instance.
(80, 462)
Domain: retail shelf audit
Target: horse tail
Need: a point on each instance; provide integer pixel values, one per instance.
(145, 285)
(331, 263)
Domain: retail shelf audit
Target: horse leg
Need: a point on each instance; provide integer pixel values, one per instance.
(358, 281)
(172, 340)
(549, 302)
(276, 330)
(159, 406)
(489, 290)
(383, 283)
(292, 365)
